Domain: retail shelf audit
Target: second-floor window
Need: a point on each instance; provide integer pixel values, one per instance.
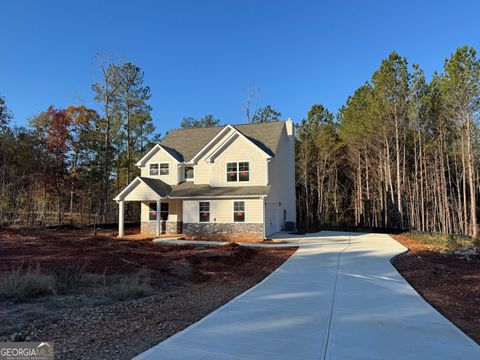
(164, 169)
(153, 169)
(156, 169)
(238, 171)
(188, 172)
(204, 210)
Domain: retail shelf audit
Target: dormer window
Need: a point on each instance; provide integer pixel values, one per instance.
(238, 171)
(189, 173)
(153, 169)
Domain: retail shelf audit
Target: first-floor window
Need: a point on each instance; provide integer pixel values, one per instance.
(239, 211)
(152, 211)
(204, 209)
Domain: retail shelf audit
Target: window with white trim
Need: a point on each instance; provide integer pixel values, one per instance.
(153, 169)
(164, 169)
(239, 211)
(152, 211)
(204, 211)
(189, 173)
(238, 171)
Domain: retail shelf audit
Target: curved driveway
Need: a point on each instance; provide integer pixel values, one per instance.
(337, 297)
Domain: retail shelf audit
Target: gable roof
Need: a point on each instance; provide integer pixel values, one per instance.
(160, 188)
(176, 156)
(188, 142)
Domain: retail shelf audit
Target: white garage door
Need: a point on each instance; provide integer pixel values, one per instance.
(272, 218)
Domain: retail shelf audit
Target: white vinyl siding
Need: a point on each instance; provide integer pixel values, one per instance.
(174, 210)
(164, 166)
(141, 192)
(221, 211)
(240, 150)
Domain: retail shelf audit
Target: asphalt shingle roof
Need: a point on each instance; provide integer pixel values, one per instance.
(189, 189)
(188, 142)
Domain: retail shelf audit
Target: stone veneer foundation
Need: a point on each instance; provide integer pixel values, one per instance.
(166, 227)
(220, 231)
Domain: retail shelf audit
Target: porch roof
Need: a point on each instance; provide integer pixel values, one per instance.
(190, 190)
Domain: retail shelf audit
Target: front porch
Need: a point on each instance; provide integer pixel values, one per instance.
(197, 211)
(158, 218)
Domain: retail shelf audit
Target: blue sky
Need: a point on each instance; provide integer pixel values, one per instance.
(198, 56)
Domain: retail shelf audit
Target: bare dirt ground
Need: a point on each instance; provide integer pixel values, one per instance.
(449, 282)
(188, 282)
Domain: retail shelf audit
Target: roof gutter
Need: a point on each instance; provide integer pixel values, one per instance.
(217, 197)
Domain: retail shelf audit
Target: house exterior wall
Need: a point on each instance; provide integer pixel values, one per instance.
(222, 225)
(161, 156)
(278, 173)
(240, 149)
(224, 232)
(166, 227)
(282, 176)
(221, 211)
(174, 214)
(141, 192)
(173, 225)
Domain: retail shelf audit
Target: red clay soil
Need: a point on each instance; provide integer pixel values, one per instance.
(449, 282)
(105, 253)
(191, 282)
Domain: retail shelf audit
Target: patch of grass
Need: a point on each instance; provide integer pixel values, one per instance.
(476, 242)
(449, 241)
(21, 285)
(128, 287)
(68, 277)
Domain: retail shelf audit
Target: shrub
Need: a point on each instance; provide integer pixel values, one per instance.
(429, 238)
(67, 277)
(21, 285)
(451, 242)
(476, 241)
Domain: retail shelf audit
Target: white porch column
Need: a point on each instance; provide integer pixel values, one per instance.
(158, 218)
(121, 217)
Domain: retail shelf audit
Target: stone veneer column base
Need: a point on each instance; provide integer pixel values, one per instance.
(166, 227)
(225, 232)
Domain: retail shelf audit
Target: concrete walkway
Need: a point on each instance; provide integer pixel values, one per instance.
(337, 297)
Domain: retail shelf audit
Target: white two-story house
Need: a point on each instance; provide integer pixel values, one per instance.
(223, 182)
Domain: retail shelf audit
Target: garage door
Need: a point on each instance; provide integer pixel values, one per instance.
(272, 218)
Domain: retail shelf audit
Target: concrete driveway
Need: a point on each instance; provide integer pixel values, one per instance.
(337, 297)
